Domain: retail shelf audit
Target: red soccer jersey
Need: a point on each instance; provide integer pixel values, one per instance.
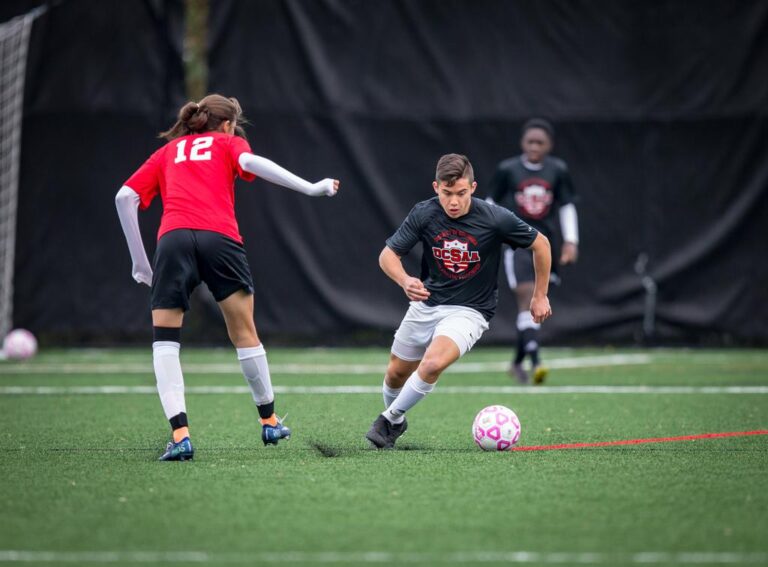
(195, 176)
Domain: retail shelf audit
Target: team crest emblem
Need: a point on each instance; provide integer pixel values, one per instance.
(455, 255)
(535, 198)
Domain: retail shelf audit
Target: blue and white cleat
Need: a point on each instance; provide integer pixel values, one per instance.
(271, 434)
(181, 451)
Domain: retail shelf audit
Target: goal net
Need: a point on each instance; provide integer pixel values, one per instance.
(14, 41)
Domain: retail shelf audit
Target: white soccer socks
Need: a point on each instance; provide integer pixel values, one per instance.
(529, 331)
(253, 362)
(389, 394)
(528, 337)
(411, 393)
(170, 381)
(525, 321)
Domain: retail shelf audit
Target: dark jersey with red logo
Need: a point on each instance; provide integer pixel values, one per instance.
(462, 255)
(534, 195)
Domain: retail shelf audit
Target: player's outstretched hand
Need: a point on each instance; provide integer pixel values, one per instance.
(142, 274)
(540, 309)
(414, 289)
(327, 187)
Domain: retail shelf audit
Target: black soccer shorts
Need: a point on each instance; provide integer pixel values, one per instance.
(518, 267)
(185, 257)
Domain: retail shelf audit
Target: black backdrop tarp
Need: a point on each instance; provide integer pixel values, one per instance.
(103, 77)
(660, 110)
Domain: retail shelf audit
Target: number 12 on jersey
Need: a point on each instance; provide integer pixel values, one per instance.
(196, 152)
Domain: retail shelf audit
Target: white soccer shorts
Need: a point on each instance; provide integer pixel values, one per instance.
(463, 325)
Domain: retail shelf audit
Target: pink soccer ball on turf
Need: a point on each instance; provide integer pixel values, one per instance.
(19, 344)
(496, 428)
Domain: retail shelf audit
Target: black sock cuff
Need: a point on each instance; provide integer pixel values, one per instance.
(178, 421)
(266, 411)
(172, 334)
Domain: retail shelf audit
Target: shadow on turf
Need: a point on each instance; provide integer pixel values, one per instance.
(324, 449)
(328, 451)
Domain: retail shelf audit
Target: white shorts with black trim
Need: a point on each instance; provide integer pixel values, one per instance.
(463, 325)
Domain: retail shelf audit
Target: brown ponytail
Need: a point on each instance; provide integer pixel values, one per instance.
(206, 116)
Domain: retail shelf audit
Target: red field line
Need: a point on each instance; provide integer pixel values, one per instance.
(639, 441)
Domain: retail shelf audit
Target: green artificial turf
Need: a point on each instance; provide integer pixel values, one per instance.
(78, 473)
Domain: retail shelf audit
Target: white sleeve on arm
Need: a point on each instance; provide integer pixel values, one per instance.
(127, 203)
(569, 223)
(270, 171)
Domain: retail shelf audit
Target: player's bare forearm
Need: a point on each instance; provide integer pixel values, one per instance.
(542, 264)
(391, 265)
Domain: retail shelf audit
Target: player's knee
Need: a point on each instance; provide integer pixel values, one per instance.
(395, 377)
(430, 368)
(243, 337)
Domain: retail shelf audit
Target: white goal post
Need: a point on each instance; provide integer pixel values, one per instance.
(14, 43)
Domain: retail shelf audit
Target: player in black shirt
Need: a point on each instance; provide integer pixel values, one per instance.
(450, 309)
(537, 188)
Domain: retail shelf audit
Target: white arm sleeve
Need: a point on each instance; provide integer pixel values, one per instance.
(127, 203)
(569, 223)
(273, 173)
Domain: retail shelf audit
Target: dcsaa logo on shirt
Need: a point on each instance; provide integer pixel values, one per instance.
(455, 257)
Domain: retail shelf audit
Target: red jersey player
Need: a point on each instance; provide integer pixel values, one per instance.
(199, 240)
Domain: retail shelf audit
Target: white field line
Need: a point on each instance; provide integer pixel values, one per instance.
(363, 557)
(288, 368)
(351, 389)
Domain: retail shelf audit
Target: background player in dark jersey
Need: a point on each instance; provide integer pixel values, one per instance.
(449, 311)
(199, 240)
(537, 188)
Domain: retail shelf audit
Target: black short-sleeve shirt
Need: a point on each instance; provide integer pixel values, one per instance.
(462, 255)
(534, 195)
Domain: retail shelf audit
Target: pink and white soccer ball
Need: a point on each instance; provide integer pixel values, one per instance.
(19, 344)
(496, 428)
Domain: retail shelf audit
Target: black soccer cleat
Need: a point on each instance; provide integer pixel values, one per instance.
(397, 430)
(383, 433)
(517, 371)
